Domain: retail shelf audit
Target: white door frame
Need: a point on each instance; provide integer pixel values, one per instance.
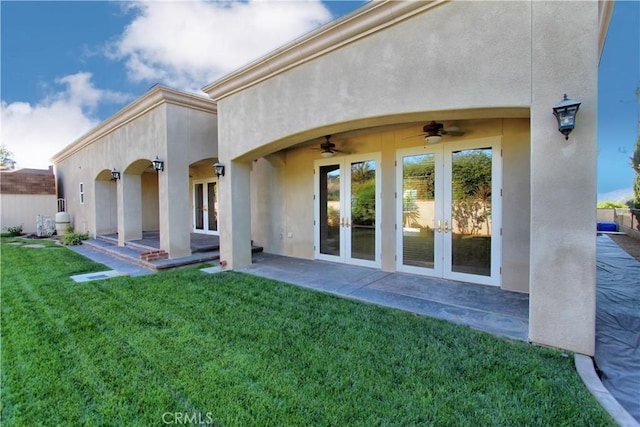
(344, 163)
(443, 212)
(205, 204)
(436, 151)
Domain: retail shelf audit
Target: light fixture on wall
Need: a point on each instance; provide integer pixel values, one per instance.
(115, 175)
(219, 168)
(565, 112)
(158, 165)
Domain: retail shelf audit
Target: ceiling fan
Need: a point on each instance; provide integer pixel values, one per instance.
(327, 148)
(433, 132)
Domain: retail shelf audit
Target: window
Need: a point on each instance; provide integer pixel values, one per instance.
(81, 193)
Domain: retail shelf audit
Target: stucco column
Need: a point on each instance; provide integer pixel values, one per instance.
(175, 208)
(563, 177)
(129, 208)
(235, 215)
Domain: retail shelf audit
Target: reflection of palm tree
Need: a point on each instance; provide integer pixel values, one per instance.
(361, 172)
(483, 194)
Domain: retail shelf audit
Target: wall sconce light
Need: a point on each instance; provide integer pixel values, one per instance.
(219, 168)
(565, 112)
(158, 165)
(115, 175)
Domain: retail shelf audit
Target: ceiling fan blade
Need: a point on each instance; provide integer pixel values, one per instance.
(415, 136)
(453, 131)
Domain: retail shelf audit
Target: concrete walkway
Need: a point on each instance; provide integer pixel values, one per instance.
(123, 267)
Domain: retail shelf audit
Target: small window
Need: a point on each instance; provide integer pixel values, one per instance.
(81, 193)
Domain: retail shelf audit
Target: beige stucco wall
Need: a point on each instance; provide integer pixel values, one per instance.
(563, 178)
(420, 65)
(150, 201)
(143, 138)
(606, 215)
(23, 209)
(455, 61)
(516, 204)
(145, 200)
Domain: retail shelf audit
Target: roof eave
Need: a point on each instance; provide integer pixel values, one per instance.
(605, 10)
(155, 96)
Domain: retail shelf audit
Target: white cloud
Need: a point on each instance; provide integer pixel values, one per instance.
(189, 44)
(35, 132)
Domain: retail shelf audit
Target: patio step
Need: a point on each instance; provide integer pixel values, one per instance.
(133, 253)
(124, 253)
(114, 241)
(198, 247)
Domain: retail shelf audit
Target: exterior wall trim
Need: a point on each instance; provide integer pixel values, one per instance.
(605, 9)
(374, 17)
(153, 98)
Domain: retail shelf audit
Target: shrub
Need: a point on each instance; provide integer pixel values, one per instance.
(72, 238)
(16, 230)
(607, 204)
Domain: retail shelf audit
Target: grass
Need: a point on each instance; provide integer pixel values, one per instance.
(232, 349)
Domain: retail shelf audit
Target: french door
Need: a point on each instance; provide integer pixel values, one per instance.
(347, 213)
(205, 206)
(449, 210)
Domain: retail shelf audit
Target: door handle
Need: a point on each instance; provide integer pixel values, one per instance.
(439, 226)
(446, 226)
(346, 222)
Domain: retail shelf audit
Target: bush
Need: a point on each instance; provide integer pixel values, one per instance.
(15, 230)
(72, 238)
(609, 204)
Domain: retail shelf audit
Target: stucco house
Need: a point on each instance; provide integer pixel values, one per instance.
(407, 136)
(176, 128)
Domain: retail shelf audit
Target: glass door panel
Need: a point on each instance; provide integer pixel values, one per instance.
(205, 207)
(198, 196)
(471, 192)
(448, 210)
(330, 209)
(212, 205)
(363, 210)
(418, 210)
(346, 212)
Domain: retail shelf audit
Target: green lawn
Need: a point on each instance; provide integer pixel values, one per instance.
(232, 349)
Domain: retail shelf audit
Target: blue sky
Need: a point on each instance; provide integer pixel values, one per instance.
(67, 66)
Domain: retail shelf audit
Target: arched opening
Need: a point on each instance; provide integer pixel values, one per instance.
(204, 197)
(140, 201)
(106, 203)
